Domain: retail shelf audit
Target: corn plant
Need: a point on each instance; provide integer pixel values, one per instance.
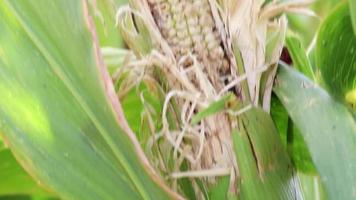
(176, 99)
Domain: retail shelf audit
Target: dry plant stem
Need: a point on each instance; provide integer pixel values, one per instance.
(275, 8)
(203, 173)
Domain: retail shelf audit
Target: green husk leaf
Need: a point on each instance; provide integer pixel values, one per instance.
(134, 32)
(221, 189)
(115, 58)
(263, 163)
(299, 57)
(103, 13)
(213, 108)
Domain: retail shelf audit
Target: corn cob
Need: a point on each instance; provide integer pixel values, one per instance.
(188, 27)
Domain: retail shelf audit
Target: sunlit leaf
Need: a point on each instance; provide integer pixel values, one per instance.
(56, 111)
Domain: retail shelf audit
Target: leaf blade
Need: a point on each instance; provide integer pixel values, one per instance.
(263, 163)
(55, 110)
(14, 180)
(299, 57)
(321, 121)
(336, 52)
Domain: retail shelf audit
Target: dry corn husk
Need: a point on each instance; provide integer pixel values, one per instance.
(196, 45)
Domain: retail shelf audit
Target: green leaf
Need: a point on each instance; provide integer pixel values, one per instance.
(298, 151)
(221, 189)
(336, 53)
(135, 33)
(327, 128)
(58, 110)
(299, 56)
(291, 138)
(353, 14)
(280, 118)
(14, 180)
(114, 58)
(103, 13)
(134, 108)
(306, 26)
(213, 108)
(1, 143)
(263, 163)
(350, 97)
(311, 186)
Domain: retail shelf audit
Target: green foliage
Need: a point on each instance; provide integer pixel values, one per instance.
(336, 53)
(327, 128)
(353, 14)
(1, 143)
(306, 26)
(14, 180)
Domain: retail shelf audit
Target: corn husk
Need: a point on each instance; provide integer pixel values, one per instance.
(206, 50)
